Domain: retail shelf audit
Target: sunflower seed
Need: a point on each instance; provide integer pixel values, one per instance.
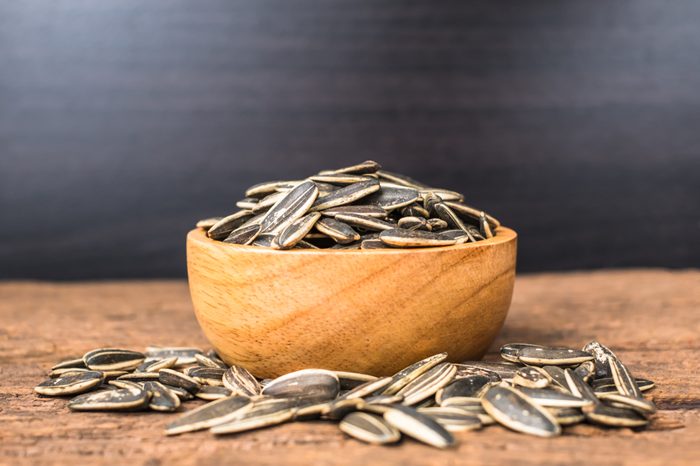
(471, 214)
(340, 232)
(178, 379)
(181, 393)
(578, 387)
(210, 361)
(510, 351)
(517, 412)
(614, 417)
(459, 236)
(339, 408)
(313, 411)
(442, 194)
(465, 389)
(552, 356)
(427, 383)
(111, 400)
(226, 225)
(364, 210)
(67, 371)
(185, 355)
(70, 383)
(373, 244)
(346, 195)
(289, 207)
(640, 404)
(625, 383)
(162, 399)
(211, 393)
(109, 359)
(368, 388)
(368, 166)
(410, 373)
(308, 384)
(415, 210)
(140, 377)
(76, 363)
(392, 196)
(158, 364)
(127, 384)
(553, 398)
(207, 223)
(352, 380)
(437, 224)
(208, 415)
(301, 244)
(604, 383)
(449, 216)
(241, 382)
(465, 403)
(263, 189)
(414, 223)
(207, 375)
(262, 413)
(505, 370)
(586, 370)
(414, 238)
(556, 377)
(402, 180)
(532, 377)
(453, 419)
(248, 203)
(341, 179)
(243, 235)
(265, 241)
(484, 226)
(419, 426)
(600, 354)
(567, 416)
(268, 201)
(362, 221)
(369, 428)
(294, 233)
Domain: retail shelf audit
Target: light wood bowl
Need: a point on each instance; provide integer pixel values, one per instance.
(372, 311)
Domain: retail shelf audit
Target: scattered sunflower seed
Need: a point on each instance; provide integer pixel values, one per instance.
(208, 415)
(110, 359)
(427, 400)
(369, 428)
(309, 384)
(516, 411)
(241, 382)
(70, 383)
(541, 356)
(111, 400)
(162, 399)
(178, 379)
(419, 426)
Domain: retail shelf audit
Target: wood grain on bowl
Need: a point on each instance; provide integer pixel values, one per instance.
(371, 311)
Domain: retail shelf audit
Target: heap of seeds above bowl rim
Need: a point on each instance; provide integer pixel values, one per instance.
(356, 207)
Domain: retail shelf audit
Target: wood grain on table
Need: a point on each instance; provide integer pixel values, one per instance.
(650, 318)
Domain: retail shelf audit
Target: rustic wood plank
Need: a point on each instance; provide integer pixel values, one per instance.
(648, 316)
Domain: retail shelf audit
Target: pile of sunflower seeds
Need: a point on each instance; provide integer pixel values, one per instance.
(357, 207)
(537, 391)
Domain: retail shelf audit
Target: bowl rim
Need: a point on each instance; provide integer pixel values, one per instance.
(504, 235)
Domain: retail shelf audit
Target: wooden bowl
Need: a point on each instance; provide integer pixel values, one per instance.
(372, 311)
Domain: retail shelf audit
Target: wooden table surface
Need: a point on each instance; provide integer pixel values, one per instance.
(650, 318)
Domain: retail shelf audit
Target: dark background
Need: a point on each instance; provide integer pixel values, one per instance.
(124, 121)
